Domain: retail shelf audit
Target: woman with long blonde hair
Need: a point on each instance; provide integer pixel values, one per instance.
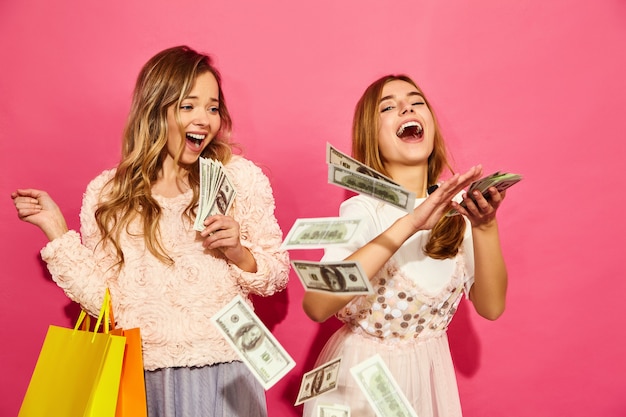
(138, 239)
(420, 264)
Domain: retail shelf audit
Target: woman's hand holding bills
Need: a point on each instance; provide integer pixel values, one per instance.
(427, 214)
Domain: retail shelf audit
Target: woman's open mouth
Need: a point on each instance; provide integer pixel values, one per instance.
(195, 139)
(410, 130)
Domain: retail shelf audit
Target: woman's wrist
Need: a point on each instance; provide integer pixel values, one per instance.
(55, 231)
(490, 226)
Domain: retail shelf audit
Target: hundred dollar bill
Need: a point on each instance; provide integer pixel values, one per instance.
(257, 347)
(208, 173)
(336, 157)
(380, 190)
(344, 277)
(320, 232)
(380, 389)
(224, 196)
(319, 381)
(216, 191)
(335, 410)
(500, 180)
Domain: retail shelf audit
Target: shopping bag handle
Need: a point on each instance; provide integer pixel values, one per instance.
(106, 315)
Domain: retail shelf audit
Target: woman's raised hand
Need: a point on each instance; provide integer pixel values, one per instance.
(481, 211)
(36, 207)
(427, 214)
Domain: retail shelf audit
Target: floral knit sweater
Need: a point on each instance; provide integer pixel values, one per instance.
(173, 304)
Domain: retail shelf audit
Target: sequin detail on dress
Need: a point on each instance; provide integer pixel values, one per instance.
(399, 310)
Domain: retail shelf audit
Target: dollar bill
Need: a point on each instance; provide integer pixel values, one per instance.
(336, 157)
(319, 381)
(256, 345)
(344, 277)
(380, 388)
(217, 193)
(363, 184)
(334, 410)
(500, 180)
(321, 232)
(223, 197)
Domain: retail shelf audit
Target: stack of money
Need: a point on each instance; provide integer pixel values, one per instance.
(216, 191)
(348, 173)
(500, 180)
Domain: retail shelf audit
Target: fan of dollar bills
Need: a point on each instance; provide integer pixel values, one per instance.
(500, 180)
(216, 191)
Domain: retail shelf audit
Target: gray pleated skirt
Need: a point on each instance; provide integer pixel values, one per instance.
(221, 390)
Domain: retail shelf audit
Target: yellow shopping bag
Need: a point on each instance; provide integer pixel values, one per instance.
(77, 373)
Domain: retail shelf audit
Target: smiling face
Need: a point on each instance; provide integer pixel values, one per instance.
(199, 118)
(406, 126)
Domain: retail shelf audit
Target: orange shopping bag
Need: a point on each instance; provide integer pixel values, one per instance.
(131, 401)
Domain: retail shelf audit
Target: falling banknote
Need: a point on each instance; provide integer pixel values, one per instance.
(344, 277)
(336, 157)
(366, 185)
(258, 348)
(319, 381)
(380, 389)
(320, 232)
(333, 410)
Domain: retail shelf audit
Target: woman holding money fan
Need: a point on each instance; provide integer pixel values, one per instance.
(138, 240)
(419, 263)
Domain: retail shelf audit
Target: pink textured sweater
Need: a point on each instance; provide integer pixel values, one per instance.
(172, 305)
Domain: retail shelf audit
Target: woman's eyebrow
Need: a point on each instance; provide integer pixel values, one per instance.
(411, 94)
(197, 98)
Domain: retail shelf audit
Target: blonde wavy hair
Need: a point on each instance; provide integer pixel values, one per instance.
(164, 81)
(447, 235)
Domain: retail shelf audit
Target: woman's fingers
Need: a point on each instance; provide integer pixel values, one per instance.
(220, 231)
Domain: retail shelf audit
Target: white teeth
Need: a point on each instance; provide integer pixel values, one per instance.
(196, 136)
(409, 124)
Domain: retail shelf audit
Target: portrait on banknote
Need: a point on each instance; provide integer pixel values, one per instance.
(249, 337)
(333, 277)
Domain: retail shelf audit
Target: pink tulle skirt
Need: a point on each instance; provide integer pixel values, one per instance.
(422, 368)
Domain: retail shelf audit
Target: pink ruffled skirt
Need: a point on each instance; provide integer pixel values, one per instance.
(422, 368)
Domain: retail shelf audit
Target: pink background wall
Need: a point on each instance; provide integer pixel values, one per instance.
(532, 87)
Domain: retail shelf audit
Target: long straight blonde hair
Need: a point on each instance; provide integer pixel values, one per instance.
(447, 235)
(165, 80)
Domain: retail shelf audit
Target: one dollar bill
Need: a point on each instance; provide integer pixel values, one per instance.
(344, 277)
(380, 388)
(256, 345)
